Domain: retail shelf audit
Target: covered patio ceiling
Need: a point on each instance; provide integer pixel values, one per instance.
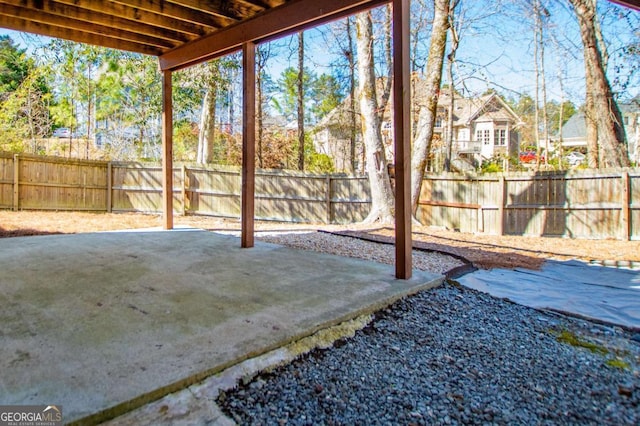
(180, 32)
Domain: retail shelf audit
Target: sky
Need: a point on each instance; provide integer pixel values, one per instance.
(496, 50)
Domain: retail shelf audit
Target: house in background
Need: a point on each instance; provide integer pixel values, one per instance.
(574, 131)
(483, 128)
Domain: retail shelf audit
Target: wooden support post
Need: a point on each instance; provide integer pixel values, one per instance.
(402, 135)
(248, 144)
(625, 204)
(167, 150)
(109, 187)
(16, 182)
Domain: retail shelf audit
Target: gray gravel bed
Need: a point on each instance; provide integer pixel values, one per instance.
(351, 247)
(454, 356)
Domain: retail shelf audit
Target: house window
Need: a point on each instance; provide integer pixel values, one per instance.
(500, 137)
(483, 136)
(438, 122)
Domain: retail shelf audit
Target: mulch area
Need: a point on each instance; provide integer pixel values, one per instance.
(484, 251)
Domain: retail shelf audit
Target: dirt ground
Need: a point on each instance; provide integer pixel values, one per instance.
(485, 251)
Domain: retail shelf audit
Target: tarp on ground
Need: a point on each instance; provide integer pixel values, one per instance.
(611, 295)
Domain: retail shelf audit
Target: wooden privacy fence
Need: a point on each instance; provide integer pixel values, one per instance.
(577, 204)
(47, 183)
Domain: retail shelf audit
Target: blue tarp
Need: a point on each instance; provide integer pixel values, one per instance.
(606, 294)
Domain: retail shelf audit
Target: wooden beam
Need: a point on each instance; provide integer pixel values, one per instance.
(264, 4)
(402, 137)
(167, 150)
(289, 18)
(175, 11)
(248, 143)
(632, 4)
(28, 26)
(62, 12)
(136, 16)
(235, 10)
(88, 27)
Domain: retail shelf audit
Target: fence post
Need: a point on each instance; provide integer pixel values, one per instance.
(501, 200)
(184, 190)
(625, 205)
(328, 194)
(16, 182)
(109, 187)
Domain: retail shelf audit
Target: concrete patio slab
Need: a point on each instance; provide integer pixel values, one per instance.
(103, 323)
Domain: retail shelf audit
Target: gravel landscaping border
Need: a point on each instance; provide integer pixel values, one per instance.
(450, 355)
(454, 356)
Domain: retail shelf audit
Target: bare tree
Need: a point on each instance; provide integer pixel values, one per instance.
(264, 52)
(427, 117)
(206, 135)
(602, 112)
(300, 108)
(451, 58)
(350, 54)
(382, 201)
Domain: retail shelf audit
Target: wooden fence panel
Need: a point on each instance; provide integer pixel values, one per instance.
(577, 204)
(213, 191)
(350, 199)
(61, 184)
(634, 207)
(291, 197)
(137, 187)
(6, 181)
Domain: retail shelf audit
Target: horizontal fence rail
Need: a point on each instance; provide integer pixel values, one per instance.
(575, 204)
(594, 204)
(48, 183)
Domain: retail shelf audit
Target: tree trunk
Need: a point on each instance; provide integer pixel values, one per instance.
(602, 109)
(536, 66)
(422, 142)
(301, 100)
(352, 98)
(543, 81)
(263, 54)
(451, 57)
(593, 153)
(207, 127)
(388, 55)
(382, 201)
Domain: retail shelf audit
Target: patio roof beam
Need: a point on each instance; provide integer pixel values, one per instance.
(30, 26)
(138, 17)
(294, 16)
(88, 27)
(177, 11)
(66, 15)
